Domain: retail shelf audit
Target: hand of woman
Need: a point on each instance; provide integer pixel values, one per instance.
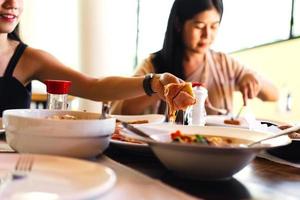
(160, 80)
(294, 135)
(249, 86)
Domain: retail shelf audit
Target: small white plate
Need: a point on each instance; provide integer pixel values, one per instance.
(152, 118)
(54, 177)
(218, 120)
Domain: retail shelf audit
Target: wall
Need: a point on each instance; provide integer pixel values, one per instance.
(280, 62)
(96, 37)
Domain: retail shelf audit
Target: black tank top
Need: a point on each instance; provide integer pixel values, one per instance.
(12, 92)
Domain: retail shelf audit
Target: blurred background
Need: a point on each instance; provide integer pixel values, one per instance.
(111, 37)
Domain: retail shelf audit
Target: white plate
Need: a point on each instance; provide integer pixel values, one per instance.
(152, 118)
(142, 148)
(54, 177)
(218, 120)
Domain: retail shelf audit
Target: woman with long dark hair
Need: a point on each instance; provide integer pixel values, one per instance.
(20, 64)
(186, 53)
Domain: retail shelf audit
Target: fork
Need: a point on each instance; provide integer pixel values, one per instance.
(22, 167)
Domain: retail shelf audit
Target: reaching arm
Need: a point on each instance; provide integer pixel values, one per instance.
(44, 66)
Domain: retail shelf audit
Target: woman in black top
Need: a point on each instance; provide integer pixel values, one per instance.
(19, 65)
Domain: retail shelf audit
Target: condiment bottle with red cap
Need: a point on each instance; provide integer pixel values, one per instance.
(197, 113)
(57, 94)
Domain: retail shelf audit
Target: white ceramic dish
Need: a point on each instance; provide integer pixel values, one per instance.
(79, 147)
(29, 131)
(54, 177)
(35, 122)
(202, 161)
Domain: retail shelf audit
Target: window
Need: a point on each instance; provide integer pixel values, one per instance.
(251, 23)
(245, 24)
(296, 30)
(153, 19)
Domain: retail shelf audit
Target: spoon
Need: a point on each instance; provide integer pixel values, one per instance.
(284, 132)
(240, 111)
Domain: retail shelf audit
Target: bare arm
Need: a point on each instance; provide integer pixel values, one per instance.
(45, 66)
(268, 91)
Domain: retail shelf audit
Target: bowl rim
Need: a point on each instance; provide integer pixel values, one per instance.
(13, 112)
(214, 148)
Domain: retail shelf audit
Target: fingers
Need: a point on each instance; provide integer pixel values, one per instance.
(183, 100)
(282, 127)
(249, 87)
(245, 95)
(160, 80)
(167, 78)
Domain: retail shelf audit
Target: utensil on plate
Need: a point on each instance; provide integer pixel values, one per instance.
(135, 130)
(284, 132)
(22, 168)
(239, 113)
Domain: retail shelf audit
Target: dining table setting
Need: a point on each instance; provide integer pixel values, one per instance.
(63, 154)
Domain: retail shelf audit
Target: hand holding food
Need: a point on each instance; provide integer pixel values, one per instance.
(249, 86)
(178, 97)
(160, 80)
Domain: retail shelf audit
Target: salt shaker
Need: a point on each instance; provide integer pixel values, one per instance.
(197, 113)
(57, 94)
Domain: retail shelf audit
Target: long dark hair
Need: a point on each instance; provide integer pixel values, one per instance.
(14, 35)
(170, 57)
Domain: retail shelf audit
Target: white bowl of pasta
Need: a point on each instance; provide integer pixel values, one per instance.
(67, 133)
(212, 153)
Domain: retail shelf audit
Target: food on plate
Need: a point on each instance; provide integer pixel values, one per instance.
(117, 135)
(182, 93)
(66, 116)
(232, 121)
(211, 140)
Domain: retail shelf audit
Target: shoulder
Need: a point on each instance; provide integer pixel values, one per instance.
(38, 55)
(37, 58)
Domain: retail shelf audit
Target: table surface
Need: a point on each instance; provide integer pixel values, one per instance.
(262, 179)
